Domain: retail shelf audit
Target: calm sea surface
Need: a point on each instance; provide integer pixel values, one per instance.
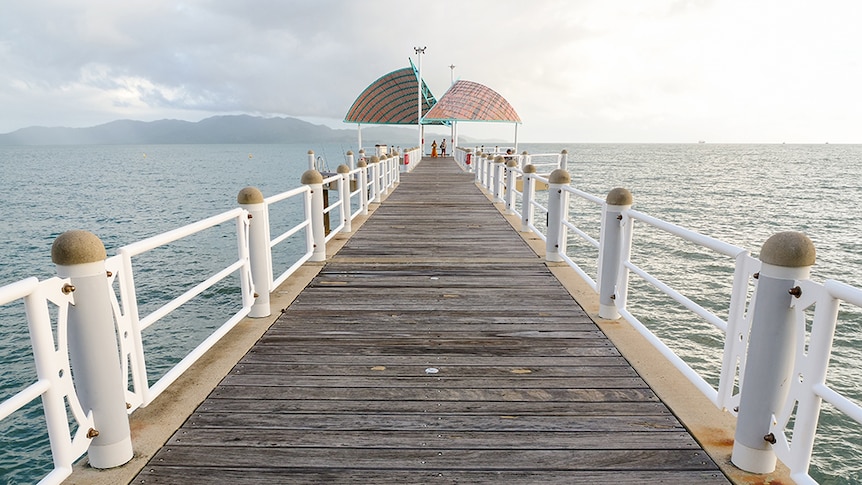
(741, 194)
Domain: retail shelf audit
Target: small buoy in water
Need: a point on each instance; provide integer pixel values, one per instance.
(249, 156)
(145, 155)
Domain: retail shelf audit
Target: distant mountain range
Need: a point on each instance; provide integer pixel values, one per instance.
(218, 129)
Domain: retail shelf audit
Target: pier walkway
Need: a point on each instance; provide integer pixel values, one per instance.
(434, 347)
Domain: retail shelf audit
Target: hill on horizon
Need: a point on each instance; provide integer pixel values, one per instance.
(217, 129)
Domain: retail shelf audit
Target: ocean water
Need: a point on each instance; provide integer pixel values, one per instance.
(741, 194)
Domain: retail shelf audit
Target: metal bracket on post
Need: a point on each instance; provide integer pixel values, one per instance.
(786, 258)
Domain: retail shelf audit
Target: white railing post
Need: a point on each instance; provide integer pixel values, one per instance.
(497, 187)
(399, 164)
(479, 159)
(344, 197)
(786, 257)
(558, 204)
(528, 190)
(564, 160)
(363, 185)
(407, 156)
(525, 159)
(351, 162)
(610, 250)
(314, 180)
(487, 160)
(93, 351)
(362, 156)
(375, 179)
(510, 186)
(386, 161)
(260, 256)
(311, 160)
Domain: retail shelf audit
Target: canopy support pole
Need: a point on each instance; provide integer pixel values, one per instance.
(516, 137)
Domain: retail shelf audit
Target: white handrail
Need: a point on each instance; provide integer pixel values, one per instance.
(53, 382)
(811, 362)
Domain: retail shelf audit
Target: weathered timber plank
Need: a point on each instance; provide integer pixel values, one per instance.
(439, 422)
(331, 475)
(596, 357)
(437, 458)
(227, 402)
(434, 381)
(291, 371)
(424, 394)
(531, 439)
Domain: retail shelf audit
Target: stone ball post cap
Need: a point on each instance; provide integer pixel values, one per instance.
(311, 152)
(469, 150)
(77, 247)
(311, 177)
(375, 159)
(361, 164)
(361, 150)
(343, 169)
(250, 195)
(559, 176)
(564, 152)
(511, 163)
(499, 159)
(619, 196)
(349, 152)
(530, 168)
(790, 249)
(524, 152)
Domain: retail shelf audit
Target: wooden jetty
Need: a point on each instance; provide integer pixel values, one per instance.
(434, 347)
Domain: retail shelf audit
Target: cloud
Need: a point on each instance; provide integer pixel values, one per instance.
(585, 70)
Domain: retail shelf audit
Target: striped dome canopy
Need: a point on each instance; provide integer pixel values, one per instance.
(391, 100)
(470, 101)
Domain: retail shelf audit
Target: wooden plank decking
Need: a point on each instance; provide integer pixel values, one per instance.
(435, 347)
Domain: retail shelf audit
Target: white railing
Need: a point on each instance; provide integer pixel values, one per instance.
(53, 373)
(131, 325)
(617, 244)
(304, 224)
(253, 265)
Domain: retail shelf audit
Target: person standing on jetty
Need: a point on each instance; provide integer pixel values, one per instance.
(443, 148)
(434, 149)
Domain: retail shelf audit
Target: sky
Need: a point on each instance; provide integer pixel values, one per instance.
(617, 71)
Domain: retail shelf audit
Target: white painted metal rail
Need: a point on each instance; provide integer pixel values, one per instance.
(69, 440)
(798, 417)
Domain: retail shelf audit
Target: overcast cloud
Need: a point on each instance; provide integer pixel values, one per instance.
(574, 70)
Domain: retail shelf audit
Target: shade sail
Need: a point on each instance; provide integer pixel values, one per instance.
(470, 101)
(391, 100)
